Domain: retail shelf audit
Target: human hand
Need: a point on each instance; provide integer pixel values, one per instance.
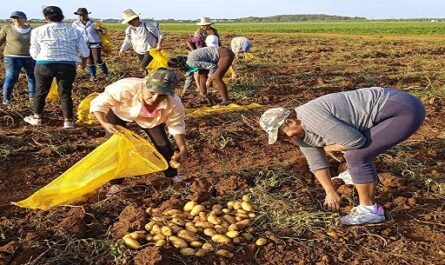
(110, 128)
(96, 26)
(121, 53)
(158, 47)
(332, 201)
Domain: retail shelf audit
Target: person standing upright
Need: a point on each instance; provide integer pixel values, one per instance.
(90, 31)
(141, 36)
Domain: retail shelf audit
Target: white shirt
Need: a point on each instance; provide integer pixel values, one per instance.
(57, 41)
(141, 38)
(89, 32)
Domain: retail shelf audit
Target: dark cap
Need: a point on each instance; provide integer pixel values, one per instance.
(81, 11)
(17, 14)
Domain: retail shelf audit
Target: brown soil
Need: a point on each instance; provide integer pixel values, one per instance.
(229, 154)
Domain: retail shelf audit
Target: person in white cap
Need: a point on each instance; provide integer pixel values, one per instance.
(141, 36)
(361, 124)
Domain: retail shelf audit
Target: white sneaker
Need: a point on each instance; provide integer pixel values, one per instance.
(345, 176)
(68, 124)
(360, 215)
(33, 121)
(177, 179)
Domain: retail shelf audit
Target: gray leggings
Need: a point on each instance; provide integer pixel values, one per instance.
(398, 119)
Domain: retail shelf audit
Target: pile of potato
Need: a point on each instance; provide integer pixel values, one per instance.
(196, 231)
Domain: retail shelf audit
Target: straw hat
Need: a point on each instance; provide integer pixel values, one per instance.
(128, 15)
(204, 21)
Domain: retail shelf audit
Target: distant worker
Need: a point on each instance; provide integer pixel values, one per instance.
(199, 38)
(54, 62)
(141, 36)
(16, 54)
(90, 31)
(361, 124)
(240, 45)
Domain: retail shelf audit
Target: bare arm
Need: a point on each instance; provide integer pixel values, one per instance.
(332, 200)
(180, 142)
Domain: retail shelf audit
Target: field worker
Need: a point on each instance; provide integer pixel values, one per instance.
(151, 102)
(212, 64)
(240, 45)
(141, 36)
(54, 62)
(361, 124)
(17, 37)
(199, 38)
(90, 31)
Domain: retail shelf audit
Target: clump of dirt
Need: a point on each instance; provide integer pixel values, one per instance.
(74, 224)
(173, 203)
(230, 184)
(130, 219)
(152, 256)
(202, 190)
(391, 180)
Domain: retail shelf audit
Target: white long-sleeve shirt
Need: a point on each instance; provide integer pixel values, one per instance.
(141, 38)
(88, 31)
(57, 42)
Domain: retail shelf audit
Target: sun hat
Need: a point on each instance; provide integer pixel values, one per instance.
(246, 46)
(82, 11)
(271, 121)
(17, 14)
(212, 41)
(128, 15)
(204, 21)
(162, 81)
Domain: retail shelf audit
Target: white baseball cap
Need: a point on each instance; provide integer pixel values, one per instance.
(271, 121)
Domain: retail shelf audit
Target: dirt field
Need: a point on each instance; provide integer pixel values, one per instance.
(229, 157)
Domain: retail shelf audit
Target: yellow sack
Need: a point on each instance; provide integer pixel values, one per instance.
(125, 154)
(53, 91)
(84, 117)
(104, 40)
(198, 112)
(249, 56)
(160, 59)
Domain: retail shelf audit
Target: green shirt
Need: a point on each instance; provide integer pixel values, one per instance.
(17, 44)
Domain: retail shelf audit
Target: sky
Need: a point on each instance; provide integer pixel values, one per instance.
(194, 9)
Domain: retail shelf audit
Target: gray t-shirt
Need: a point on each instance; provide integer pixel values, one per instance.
(204, 58)
(338, 118)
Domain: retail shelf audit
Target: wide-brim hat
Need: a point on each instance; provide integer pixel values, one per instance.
(162, 81)
(81, 11)
(204, 21)
(128, 15)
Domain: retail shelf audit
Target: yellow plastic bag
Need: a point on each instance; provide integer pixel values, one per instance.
(198, 112)
(84, 117)
(249, 56)
(53, 91)
(104, 40)
(160, 59)
(125, 154)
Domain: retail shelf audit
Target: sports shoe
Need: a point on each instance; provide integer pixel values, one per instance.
(360, 215)
(5, 102)
(33, 121)
(93, 79)
(224, 103)
(345, 176)
(177, 179)
(68, 124)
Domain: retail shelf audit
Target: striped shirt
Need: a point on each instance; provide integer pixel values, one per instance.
(57, 42)
(88, 31)
(338, 118)
(204, 58)
(141, 38)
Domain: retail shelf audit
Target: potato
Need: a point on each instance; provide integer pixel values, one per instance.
(214, 219)
(187, 251)
(207, 246)
(203, 215)
(149, 225)
(196, 244)
(247, 236)
(189, 206)
(191, 227)
(251, 215)
(239, 218)
(241, 211)
(149, 210)
(229, 219)
(197, 209)
(217, 207)
(209, 232)
(220, 229)
(148, 238)
(233, 227)
(246, 198)
(187, 215)
(156, 230)
(177, 242)
(237, 205)
(160, 243)
(243, 224)
(176, 229)
(166, 231)
(179, 216)
(174, 164)
(246, 206)
(261, 241)
(130, 242)
(232, 234)
(237, 240)
(158, 237)
(225, 210)
(218, 238)
(230, 204)
(138, 234)
(204, 225)
(224, 253)
(172, 212)
(201, 252)
(187, 235)
(216, 212)
(178, 221)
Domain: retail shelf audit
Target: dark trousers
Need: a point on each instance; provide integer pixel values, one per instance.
(145, 59)
(399, 118)
(65, 75)
(158, 137)
(95, 56)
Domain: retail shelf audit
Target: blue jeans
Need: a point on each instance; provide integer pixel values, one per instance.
(13, 65)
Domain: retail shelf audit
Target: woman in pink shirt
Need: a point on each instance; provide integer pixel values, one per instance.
(151, 102)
